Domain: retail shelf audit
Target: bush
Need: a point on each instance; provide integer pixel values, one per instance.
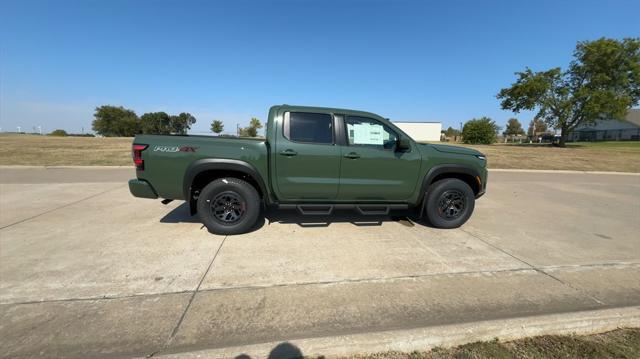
(480, 131)
(59, 132)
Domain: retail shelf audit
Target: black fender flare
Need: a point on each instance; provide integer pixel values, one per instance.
(439, 170)
(446, 168)
(207, 164)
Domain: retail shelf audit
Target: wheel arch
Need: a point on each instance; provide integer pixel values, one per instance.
(201, 172)
(465, 173)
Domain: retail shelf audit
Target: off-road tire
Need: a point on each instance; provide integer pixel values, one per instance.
(229, 196)
(443, 199)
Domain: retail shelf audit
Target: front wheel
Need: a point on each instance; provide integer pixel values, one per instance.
(450, 203)
(228, 206)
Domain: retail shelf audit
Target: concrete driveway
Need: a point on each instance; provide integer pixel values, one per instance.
(88, 270)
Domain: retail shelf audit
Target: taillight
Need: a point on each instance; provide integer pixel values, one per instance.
(136, 152)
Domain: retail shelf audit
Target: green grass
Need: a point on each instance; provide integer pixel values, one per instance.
(632, 145)
(621, 343)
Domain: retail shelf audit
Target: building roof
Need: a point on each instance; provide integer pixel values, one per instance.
(631, 121)
(633, 116)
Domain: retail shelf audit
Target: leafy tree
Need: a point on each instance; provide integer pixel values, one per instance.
(182, 123)
(59, 132)
(217, 126)
(480, 131)
(601, 83)
(539, 125)
(156, 123)
(115, 121)
(161, 123)
(513, 128)
(252, 130)
(451, 132)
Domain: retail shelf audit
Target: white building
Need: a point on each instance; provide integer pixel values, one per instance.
(421, 131)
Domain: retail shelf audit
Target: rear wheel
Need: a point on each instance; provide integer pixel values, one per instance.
(450, 203)
(229, 206)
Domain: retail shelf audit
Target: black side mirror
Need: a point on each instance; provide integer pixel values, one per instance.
(403, 144)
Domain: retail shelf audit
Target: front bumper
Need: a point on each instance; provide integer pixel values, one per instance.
(483, 183)
(142, 189)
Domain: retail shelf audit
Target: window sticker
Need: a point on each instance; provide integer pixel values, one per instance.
(368, 134)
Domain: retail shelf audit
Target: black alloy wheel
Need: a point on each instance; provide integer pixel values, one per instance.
(451, 204)
(228, 207)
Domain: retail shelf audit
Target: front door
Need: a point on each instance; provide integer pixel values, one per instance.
(307, 158)
(371, 168)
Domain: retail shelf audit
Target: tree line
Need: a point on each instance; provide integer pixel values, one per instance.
(485, 131)
(250, 131)
(117, 121)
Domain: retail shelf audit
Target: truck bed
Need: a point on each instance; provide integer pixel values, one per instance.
(167, 157)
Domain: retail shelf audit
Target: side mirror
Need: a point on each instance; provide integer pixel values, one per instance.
(403, 144)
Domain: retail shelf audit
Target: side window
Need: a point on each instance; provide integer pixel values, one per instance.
(309, 127)
(362, 131)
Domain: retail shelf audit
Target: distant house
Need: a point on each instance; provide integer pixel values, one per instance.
(421, 131)
(610, 130)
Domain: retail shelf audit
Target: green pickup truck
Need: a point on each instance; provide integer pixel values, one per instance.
(314, 160)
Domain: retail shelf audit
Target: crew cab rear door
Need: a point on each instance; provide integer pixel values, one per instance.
(371, 168)
(307, 158)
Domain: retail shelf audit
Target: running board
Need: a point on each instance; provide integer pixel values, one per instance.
(321, 209)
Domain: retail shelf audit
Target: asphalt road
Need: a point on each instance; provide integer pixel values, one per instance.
(88, 270)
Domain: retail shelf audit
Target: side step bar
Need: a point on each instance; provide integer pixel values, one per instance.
(368, 209)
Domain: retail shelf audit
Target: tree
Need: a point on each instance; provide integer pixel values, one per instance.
(480, 131)
(156, 123)
(59, 132)
(513, 128)
(252, 130)
(536, 126)
(601, 83)
(115, 121)
(182, 123)
(451, 132)
(217, 126)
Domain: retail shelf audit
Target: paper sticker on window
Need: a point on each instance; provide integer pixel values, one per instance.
(368, 134)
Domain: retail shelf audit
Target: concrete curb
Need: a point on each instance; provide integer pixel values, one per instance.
(565, 171)
(586, 322)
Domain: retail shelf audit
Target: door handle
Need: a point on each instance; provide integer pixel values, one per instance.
(289, 153)
(352, 155)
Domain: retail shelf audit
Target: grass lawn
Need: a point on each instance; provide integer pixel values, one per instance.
(621, 343)
(60, 151)
(90, 151)
(623, 156)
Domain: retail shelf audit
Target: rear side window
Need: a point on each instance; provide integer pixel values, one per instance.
(309, 127)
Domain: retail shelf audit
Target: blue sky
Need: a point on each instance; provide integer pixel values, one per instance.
(231, 60)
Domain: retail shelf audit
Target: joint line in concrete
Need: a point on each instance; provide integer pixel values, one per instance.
(57, 208)
(537, 269)
(193, 295)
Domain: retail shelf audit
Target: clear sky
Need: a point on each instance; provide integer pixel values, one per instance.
(230, 60)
